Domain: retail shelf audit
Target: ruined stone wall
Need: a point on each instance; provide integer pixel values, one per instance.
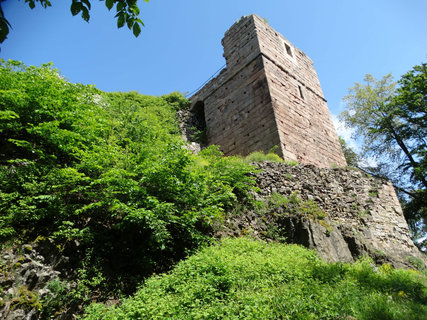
(295, 63)
(305, 126)
(241, 44)
(363, 214)
(238, 111)
(242, 119)
(268, 95)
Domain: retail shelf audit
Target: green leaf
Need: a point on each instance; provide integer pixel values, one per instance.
(76, 7)
(4, 30)
(120, 6)
(87, 3)
(137, 20)
(46, 4)
(3, 21)
(135, 9)
(85, 14)
(136, 29)
(109, 4)
(30, 3)
(130, 22)
(8, 115)
(121, 20)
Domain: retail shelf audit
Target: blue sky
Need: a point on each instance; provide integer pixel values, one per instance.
(180, 46)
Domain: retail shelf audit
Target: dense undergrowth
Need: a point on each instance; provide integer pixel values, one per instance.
(248, 279)
(105, 178)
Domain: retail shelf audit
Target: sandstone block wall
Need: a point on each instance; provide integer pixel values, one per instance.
(268, 95)
(241, 119)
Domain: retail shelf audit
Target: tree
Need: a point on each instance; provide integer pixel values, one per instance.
(391, 120)
(108, 170)
(350, 155)
(127, 13)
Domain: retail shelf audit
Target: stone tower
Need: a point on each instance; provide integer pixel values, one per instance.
(268, 95)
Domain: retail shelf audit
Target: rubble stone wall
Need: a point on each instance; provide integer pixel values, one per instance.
(363, 211)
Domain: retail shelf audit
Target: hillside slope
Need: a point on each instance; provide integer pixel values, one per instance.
(103, 179)
(99, 193)
(248, 279)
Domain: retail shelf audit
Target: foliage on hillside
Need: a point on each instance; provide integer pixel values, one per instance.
(247, 279)
(107, 175)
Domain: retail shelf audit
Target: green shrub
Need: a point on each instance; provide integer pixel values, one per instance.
(108, 170)
(292, 205)
(259, 156)
(176, 100)
(248, 279)
(292, 162)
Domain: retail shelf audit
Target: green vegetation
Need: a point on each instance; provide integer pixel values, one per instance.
(127, 12)
(292, 205)
(373, 193)
(390, 118)
(247, 279)
(25, 298)
(272, 215)
(259, 156)
(351, 157)
(109, 171)
(105, 179)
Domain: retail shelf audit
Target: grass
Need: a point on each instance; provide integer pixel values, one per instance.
(260, 156)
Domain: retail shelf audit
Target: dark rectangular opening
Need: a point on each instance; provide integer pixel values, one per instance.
(300, 92)
(288, 49)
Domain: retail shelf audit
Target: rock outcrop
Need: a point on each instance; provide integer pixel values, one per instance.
(29, 274)
(341, 213)
(362, 214)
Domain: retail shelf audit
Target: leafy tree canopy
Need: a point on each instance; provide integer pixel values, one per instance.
(391, 119)
(127, 13)
(107, 171)
(351, 157)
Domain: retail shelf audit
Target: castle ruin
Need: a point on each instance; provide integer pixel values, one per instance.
(268, 95)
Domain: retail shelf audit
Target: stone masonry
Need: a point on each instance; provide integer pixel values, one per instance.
(268, 95)
(363, 214)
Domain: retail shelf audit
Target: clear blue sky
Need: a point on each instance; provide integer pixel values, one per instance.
(180, 46)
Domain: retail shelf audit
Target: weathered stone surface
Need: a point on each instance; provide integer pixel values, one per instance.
(363, 214)
(27, 274)
(268, 95)
(190, 125)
